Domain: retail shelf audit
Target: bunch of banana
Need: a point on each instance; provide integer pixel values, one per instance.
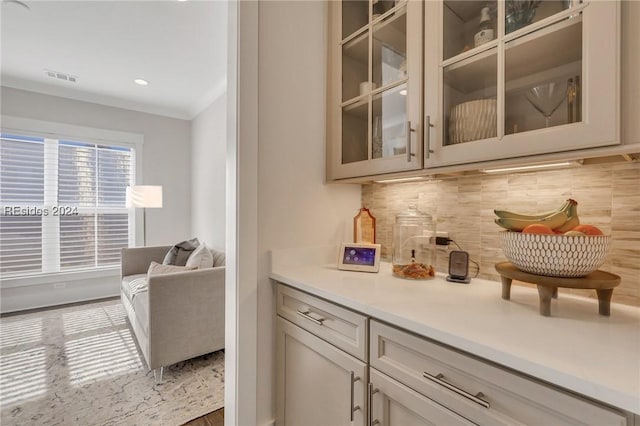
(560, 220)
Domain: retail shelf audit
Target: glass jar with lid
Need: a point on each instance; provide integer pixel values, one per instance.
(414, 245)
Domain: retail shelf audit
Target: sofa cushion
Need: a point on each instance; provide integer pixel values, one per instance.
(131, 284)
(179, 253)
(201, 257)
(141, 308)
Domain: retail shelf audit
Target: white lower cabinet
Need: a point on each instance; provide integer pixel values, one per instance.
(318, 384)
(394, 404)
(403, 379)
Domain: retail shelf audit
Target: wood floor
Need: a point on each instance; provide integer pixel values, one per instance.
(214, 418)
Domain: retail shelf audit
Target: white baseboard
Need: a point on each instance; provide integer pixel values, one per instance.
(15, 299)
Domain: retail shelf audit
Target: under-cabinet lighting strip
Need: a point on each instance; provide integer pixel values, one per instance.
(532, 167)
(407, 179)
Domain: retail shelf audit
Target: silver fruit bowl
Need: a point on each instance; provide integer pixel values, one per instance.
(555, 255)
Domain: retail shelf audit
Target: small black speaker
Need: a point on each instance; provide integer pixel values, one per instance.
(458, 267)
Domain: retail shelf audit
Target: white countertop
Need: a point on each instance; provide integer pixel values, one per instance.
(574, 348)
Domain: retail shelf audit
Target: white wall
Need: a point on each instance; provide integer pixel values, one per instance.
(208, 173)
(295, 207)
(167, 151)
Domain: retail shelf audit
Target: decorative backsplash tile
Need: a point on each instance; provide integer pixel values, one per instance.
(608, 197)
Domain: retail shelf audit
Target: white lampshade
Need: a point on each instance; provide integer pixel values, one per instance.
(147, 196)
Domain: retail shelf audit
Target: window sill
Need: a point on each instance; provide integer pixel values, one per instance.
(55, 277)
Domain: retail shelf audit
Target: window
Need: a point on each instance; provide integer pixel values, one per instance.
(62, 204)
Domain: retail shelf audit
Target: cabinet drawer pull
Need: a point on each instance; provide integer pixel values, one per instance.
(439, 379)
(357, 407)
(306, 315)
(427, 137)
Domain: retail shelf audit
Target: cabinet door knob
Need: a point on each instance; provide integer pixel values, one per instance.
(427, 137)
(353, 409)
(371, 392)
(409, 130)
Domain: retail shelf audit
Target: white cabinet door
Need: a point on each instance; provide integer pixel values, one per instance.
(393, 404)
(546, 80)
(374, 104)
(318, 384)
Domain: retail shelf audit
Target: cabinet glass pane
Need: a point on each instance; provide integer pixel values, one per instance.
(543, 74)
(520, 13)
(389, 123)
(382, 6)
(466, 25)
(470, 92)
(355, 70)
(355, 15)
(390, 48)
(354, 132)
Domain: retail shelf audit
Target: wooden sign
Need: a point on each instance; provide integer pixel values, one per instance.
(364, 227)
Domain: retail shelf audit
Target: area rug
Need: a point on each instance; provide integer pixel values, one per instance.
(80, 365)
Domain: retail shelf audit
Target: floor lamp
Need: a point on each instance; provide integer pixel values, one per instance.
(144, 196)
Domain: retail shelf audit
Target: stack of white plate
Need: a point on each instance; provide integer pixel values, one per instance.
(473, 120)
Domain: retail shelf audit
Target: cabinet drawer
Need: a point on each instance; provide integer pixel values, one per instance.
(478, 390)
(393, 404)
(341, 327)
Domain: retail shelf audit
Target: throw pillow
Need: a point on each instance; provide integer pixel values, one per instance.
(218, 258)
(179, 253)
(158, 268)
(201, 257)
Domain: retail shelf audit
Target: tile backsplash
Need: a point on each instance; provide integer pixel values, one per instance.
(608, 197)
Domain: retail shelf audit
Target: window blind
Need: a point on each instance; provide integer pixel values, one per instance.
(63, 204)
(21, 187)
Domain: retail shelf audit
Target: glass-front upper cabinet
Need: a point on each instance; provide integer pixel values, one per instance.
(520, 77)
(375, 78)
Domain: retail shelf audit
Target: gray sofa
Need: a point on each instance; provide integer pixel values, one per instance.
(180, 315)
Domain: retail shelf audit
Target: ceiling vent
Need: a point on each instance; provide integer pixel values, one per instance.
(61, 76)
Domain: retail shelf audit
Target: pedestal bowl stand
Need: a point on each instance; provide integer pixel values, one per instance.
(600, 281)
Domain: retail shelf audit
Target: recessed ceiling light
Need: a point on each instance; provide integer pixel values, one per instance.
(141, 82)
